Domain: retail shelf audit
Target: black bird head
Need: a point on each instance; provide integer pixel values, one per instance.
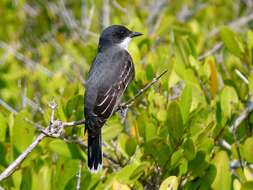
(116, 35)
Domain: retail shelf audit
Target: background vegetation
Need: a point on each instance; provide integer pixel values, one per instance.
(191, 130)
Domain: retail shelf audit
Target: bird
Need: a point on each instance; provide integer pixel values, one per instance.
(111, 72)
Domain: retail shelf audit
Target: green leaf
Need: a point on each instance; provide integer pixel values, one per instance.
(42, 177)
(231, 41)
(138, 172)
(66, 149)
(214, 81)
(3, 127)
(112, 129)
(22, 133)
(250, 45)
(223, 178)
(75, 107)
(159, 150)
(127, 145)
(186, 102)
(183, 167)
(189, 149)
(251, 84)
(208, 178)
(176, 158)
(175, 123)
(26, 179)
(247, 149)
(198, 165)
(228, 98)
(124, 175)
(64, 170)
(169, 183)
(248, 185)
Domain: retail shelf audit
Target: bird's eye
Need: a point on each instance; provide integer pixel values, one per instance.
(122, 32)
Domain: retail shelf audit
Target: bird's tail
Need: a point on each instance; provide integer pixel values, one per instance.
(94, 151)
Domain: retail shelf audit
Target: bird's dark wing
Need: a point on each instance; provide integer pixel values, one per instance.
(109, 97)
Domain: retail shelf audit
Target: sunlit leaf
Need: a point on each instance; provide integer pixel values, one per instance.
(64, 149)
(247, 149)
(228, 97)
(223, 177)
(116, 186)
(169, 183)
(214, 83)
(22, 133)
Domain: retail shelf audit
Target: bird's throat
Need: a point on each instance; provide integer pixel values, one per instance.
(124, 44)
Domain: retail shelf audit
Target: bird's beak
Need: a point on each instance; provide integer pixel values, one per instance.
(134, 34)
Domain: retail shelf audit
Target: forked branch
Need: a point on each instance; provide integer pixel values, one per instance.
(55, 129)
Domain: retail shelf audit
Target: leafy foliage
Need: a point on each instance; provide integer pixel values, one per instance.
(171, 136)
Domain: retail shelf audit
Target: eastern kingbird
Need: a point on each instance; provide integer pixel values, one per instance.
(111, 72)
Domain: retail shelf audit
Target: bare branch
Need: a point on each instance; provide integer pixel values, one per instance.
(129, 103)
(8, 107)
(155, 13)
(224, 144)
(14, 165)
(236, 164)
(249, 108)
(70, 21)
(106, 14)
(73, 123)
(185, 13)
(55, 129)
(28, 62)
(235, 126)
(239, 74)
(119, 7)
(236, 25)
(215, 48)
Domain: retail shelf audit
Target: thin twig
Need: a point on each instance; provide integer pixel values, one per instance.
(73, 123)
(214, 49)
(236, 164)
(239, 74)
(70, 21)
(8, 107)
(28, 62)
(79, 174)
(236, 25)
(129, 103)
(224, 144)
(119, 7)
(235, 126)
